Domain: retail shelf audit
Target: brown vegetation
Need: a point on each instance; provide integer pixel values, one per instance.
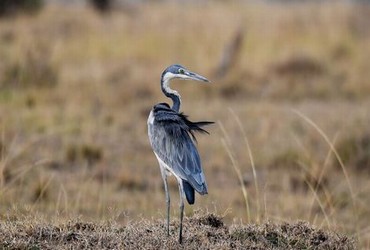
(205, 231)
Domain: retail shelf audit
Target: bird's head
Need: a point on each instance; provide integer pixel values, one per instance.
(177, 71)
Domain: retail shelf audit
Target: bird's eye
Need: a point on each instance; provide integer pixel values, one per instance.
(181, 71)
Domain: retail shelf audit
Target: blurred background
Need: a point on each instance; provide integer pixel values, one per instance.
(290, 97)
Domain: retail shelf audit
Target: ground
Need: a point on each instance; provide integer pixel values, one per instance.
(202, 231)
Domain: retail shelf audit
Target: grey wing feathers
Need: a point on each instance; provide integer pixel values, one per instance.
(171, 136)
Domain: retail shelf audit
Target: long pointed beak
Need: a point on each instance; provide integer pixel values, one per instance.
(196, 77)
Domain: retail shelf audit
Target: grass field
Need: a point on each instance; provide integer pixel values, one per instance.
(203, 231)
(291, 140)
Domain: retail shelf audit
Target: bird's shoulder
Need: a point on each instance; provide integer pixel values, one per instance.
(175, 123)
(163, 112)
(162, 106)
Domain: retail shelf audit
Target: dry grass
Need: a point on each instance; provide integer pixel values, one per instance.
(202, 231)
(73, 134)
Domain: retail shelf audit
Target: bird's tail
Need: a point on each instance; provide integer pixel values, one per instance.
(198, 126)
(189, 192)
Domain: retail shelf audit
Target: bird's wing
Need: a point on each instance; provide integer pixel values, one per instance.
(170, 136)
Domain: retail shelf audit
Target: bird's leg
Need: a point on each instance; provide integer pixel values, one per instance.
(168, 206)
(181, 217)
(164, 177)
(181, 210)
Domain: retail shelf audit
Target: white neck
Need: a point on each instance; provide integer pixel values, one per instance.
(173, 94)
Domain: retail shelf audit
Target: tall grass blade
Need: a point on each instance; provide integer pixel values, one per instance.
(252, 163)
(237, 170)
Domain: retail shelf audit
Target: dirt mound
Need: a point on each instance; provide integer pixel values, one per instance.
(200, 232)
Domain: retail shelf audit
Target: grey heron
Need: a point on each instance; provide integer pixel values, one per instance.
(172, 138)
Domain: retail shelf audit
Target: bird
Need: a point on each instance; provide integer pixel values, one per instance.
(172, 137)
